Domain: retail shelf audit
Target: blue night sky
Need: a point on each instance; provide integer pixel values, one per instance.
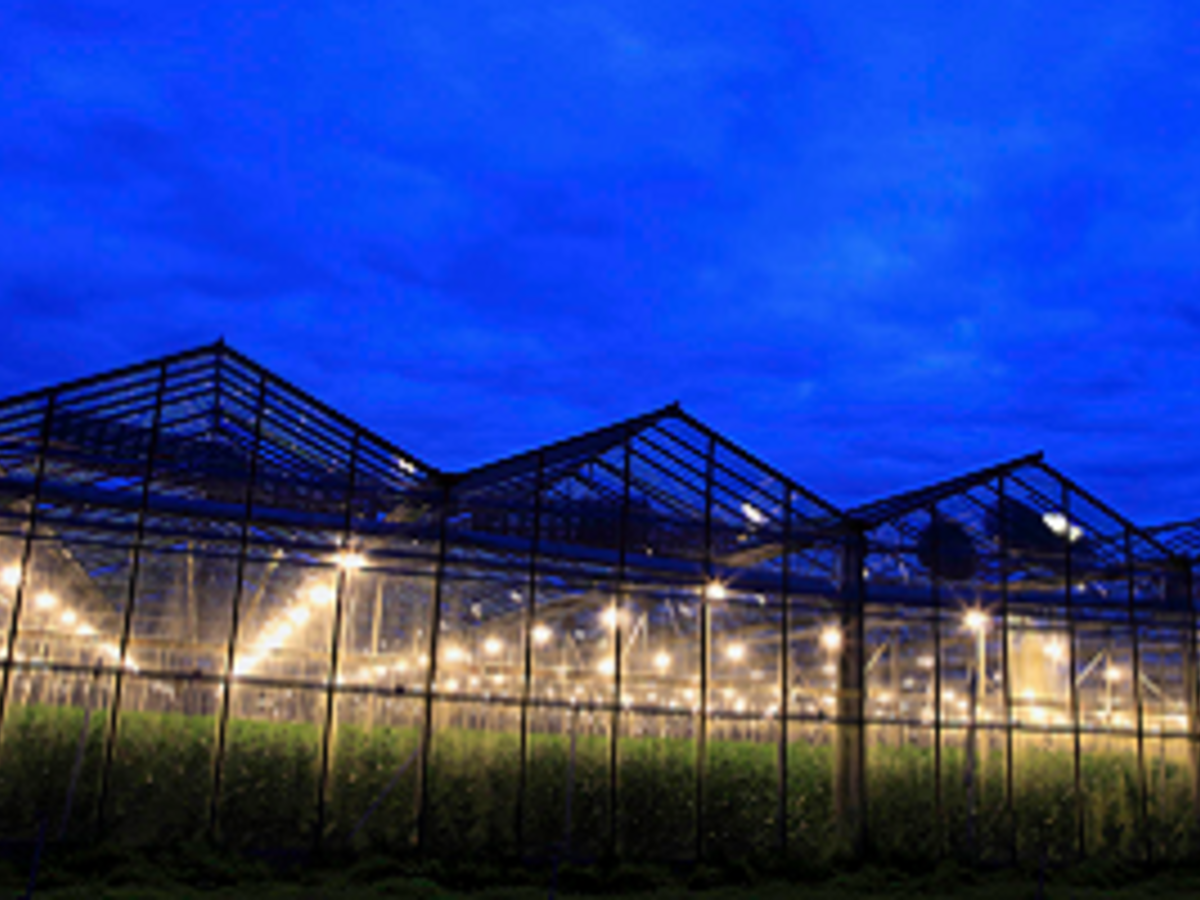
(877, 246)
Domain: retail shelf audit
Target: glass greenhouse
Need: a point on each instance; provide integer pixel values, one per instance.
(232, 612)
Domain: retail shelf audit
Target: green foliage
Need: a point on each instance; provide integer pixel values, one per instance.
(162, 772)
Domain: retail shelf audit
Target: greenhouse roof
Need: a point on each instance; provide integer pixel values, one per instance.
(213, 405)
(1183, 538)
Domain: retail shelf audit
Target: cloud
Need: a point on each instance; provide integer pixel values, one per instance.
(876, 247)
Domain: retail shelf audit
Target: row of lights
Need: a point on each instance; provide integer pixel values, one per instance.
(286, 624)
(46, 602)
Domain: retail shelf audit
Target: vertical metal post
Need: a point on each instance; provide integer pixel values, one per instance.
(936, 621)
(705, 625)
(614, 740)
(26, 556)
(130, 601)
(239, 581)
(1006, 662)
(435, 624)
(530, 613)
(1193, 702)
(785, 630)
(1069, 597)
(850, 760)
(339, 606)
(1137, 697)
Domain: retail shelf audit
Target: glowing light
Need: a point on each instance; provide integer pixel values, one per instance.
(11, 577)
(405, 465)
(541, 635)
(348, 559)
(736, 652)
(321, 595)
(740, 705)
(607, 667)
(492, 646)
(610, 617)
(662, 661)
(831, 638)
(1112, 674)
(1061, 525)
(976, 620)
(45, 600)
(753, 513)
(69, 618)
(455, 654)
(85, 631)
(1039, 715)
(714, 590)
(1055, 650)
(925, 662)
(299, 614)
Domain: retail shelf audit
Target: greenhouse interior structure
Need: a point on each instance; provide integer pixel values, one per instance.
(233, 614)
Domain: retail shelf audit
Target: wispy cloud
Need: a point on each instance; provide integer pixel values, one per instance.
(877, 246)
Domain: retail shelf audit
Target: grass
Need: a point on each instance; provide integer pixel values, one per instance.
(161, 781)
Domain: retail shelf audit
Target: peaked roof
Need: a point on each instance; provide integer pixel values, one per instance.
(877, 512)
(211, 404)
(897, 507)
(1183, 538)
(676, 458)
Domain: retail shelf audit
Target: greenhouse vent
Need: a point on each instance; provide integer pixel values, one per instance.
(233, 614)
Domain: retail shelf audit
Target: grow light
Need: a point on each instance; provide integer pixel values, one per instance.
(976, 620)
(831, 638)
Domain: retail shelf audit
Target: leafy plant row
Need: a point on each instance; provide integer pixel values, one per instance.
(162, 776)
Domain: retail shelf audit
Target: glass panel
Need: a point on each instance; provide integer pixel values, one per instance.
(657, 787)
(812, 819)
(272, 751)
(901, 792)
(373, 773)
(473, 780)
(161, 777)
(741, 789)
(184, 607)
(285, 621)
(51, 753)
(1044, 794)
(568, 756)
(480, 649)
(1111, 797)
(385, 629)
(75, 597)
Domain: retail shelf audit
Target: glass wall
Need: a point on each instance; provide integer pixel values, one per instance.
(229, 611)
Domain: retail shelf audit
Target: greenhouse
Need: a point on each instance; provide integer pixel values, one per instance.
(233, 613)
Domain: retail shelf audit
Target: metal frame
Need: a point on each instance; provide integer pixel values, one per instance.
(236, 455)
